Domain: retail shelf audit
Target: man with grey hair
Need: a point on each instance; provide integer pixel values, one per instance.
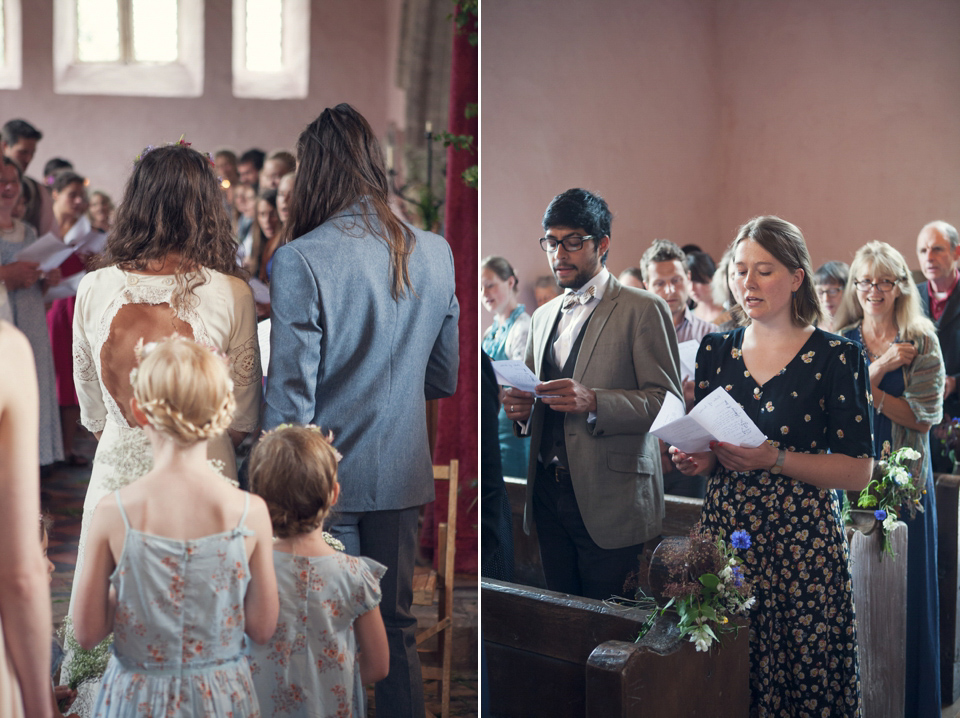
(938, 249)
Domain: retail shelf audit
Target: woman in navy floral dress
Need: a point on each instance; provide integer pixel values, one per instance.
(808, 392)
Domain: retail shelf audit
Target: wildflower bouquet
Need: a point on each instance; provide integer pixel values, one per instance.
(893, 489)
(85, 665)
(705, 584)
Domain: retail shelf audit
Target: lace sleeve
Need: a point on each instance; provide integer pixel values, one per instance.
(93, 413)
(244, 353)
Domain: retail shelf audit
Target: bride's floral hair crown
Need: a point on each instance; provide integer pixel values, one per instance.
(182, 142)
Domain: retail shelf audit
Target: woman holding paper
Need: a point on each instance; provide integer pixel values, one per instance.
(69, 211)
(807, 391)
(22, 281)
(506, 338)
(881, 310)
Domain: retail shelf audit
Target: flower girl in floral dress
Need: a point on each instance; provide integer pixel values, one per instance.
(330, 639)
(179, 563)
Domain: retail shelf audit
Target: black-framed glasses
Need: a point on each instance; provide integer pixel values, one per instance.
(829, 291)
(884, 285)
(573, 243)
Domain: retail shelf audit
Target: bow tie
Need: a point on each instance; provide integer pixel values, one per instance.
(572, 299)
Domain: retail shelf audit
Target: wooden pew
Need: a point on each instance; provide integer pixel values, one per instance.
(553, 654)
(948, 555)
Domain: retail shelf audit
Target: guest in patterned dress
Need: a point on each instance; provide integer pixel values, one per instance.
(881, 310)
(330, 639)
(807, 391)
(180, 563)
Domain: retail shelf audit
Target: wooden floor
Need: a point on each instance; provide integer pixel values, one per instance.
(62, 495)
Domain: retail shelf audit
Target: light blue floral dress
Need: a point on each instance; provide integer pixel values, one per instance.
(309, 668)
(178, 628)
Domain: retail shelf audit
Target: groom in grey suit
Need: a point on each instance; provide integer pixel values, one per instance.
(607, 355)
(363, 331)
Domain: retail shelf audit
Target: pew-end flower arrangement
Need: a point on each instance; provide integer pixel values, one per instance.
(703, 581)
(892, 490)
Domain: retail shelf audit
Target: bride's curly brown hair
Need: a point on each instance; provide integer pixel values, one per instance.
(172, 204)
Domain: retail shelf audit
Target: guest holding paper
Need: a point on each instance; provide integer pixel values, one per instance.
(808, 392)
(25, 296)
(69, 210)
(506, 338)
(881, 310)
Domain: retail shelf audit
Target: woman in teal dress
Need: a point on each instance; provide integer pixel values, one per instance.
(881, 310)
(505, 339)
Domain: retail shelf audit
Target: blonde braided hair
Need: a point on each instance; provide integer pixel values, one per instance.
(184, 390)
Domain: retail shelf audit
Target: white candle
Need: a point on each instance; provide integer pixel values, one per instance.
(389, 157)
(429, 127)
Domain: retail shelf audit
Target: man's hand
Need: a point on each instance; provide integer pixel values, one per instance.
(568, 396)
(517, 404)
(949, 386)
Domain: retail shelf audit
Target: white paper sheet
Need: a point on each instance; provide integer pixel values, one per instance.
(688, 358)
(66, 288)
(48, 252)
(263, 338)
(261, 292)
(515, 373)
(718, 417)
(91, 243)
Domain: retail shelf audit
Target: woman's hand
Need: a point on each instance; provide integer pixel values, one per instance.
(51, 279)
(744, 458)
(897, 355)
(19, 275)
(693, 464)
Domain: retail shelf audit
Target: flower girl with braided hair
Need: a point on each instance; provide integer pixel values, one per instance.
(330, 638)
(179, 563)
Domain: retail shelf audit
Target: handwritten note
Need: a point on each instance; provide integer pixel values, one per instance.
(718, 417)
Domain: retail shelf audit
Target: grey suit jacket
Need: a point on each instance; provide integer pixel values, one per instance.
(346, 356)
(629, 357)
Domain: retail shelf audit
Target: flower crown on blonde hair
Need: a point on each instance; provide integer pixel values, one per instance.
(168, 419)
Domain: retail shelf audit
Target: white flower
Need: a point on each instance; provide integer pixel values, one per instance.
(909, 453)
(726, 575)
(701, 638)
(748, 604)
(901, 476)
(889, 522)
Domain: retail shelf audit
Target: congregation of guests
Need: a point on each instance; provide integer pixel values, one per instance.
(293, 597)
(838, 368)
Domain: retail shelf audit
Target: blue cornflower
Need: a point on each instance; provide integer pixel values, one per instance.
(740, 539)
(737, 576)
(880, 514)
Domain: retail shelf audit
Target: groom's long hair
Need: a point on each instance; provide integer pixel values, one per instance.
(339, 163)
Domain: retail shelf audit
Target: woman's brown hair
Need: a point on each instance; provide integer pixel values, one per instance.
(172, 204)
(339, 163)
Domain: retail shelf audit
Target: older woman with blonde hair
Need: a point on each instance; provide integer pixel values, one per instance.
(881, 310)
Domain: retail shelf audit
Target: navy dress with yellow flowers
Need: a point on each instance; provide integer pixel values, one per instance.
(803, 638)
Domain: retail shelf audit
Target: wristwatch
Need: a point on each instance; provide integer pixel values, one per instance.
(778, 467)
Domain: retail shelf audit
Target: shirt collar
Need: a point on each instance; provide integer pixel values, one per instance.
(599, 280)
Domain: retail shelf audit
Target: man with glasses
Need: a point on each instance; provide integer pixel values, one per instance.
(938, 249)
(607, 355)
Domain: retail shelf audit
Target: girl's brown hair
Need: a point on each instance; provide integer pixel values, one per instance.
(339, 163)
(294, 469)
(172, 204)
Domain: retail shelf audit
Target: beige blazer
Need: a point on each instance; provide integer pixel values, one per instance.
(629, 357)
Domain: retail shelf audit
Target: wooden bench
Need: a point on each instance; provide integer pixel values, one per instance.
(553, 654)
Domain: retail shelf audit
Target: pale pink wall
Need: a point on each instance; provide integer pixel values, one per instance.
(352, 57)
(692, 117)
(844, 117)
(615, 96)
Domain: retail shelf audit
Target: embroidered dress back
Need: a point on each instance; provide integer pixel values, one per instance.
(178, 629)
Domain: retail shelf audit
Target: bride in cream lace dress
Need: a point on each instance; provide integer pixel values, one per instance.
(169, 267)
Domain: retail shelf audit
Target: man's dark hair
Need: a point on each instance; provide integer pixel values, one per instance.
(579, 209)
(254, 157)
(55, 164)
(701, 266)
(15, 130)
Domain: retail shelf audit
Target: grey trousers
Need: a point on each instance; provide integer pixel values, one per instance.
(390, 537)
